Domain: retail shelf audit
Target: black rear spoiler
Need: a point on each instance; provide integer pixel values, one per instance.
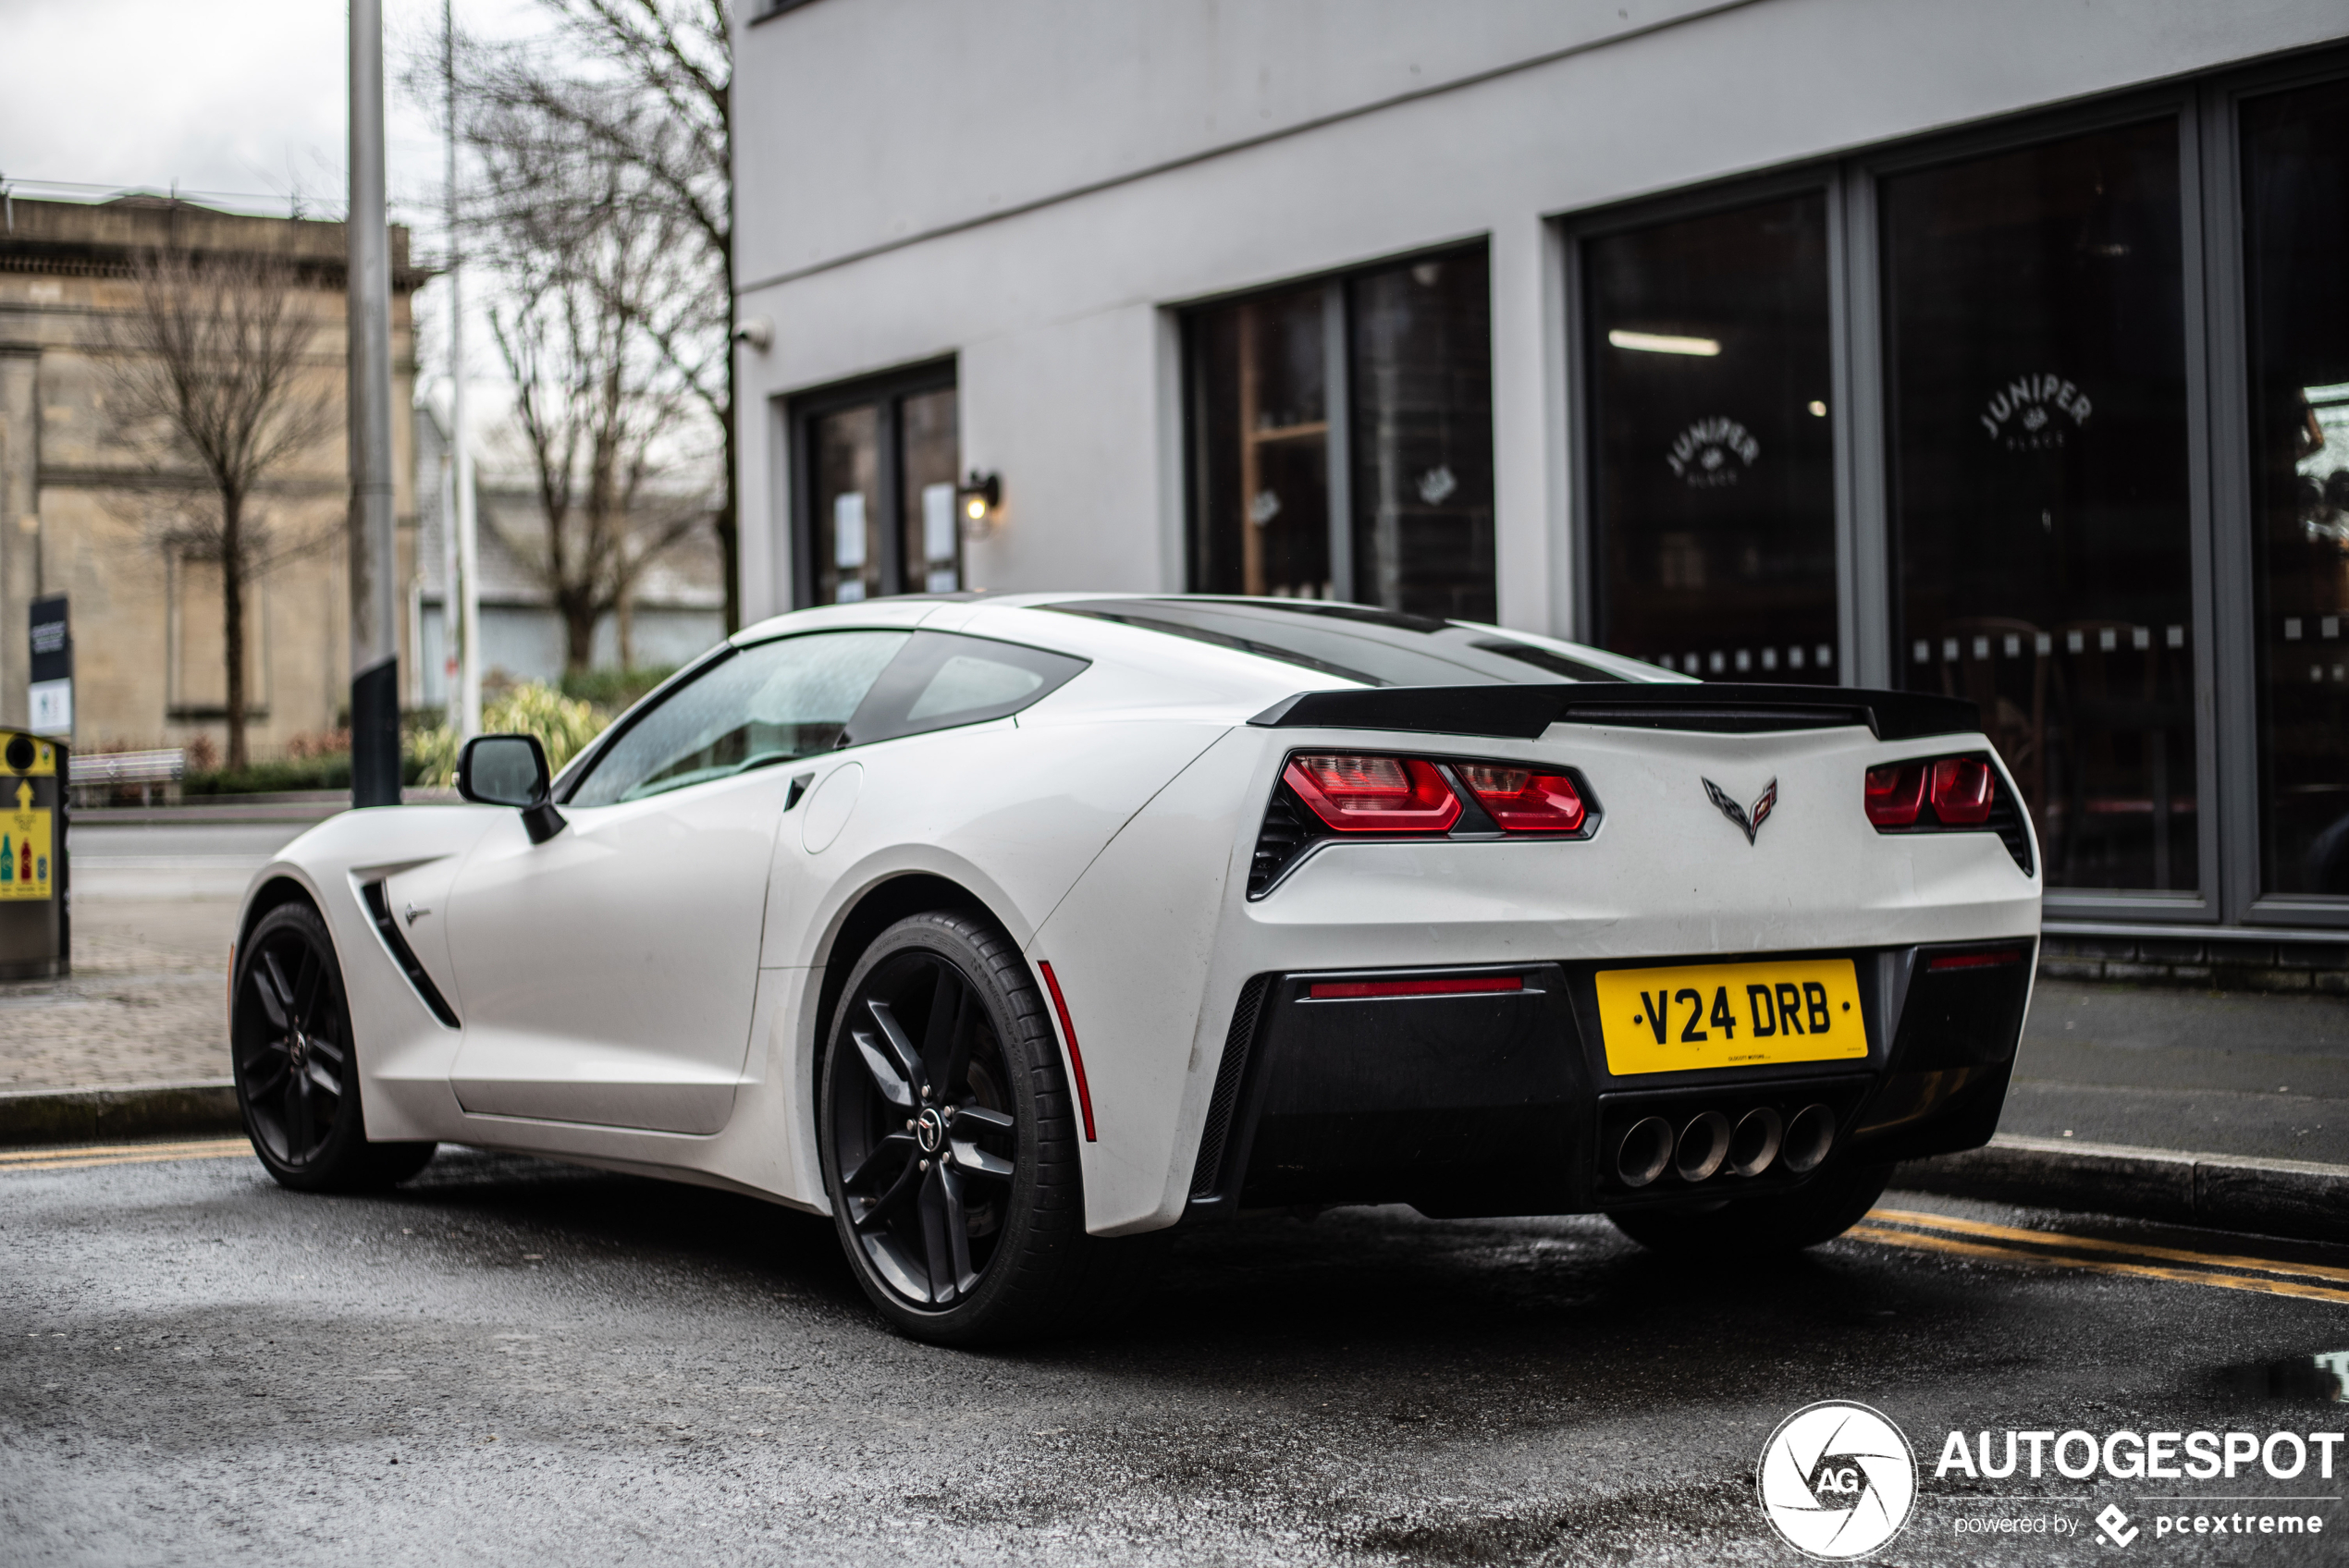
(1523, 712)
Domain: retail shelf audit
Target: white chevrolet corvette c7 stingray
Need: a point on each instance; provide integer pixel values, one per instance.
(1005, 930)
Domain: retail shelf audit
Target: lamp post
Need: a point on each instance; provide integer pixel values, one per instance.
(461, 600)
(374, 649)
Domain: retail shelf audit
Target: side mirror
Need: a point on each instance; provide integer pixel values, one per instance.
(510, 770)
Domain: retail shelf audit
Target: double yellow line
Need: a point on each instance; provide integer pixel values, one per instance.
(85, 1156)
(2009, 1244)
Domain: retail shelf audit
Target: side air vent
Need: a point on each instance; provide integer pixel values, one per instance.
(379, 910)
(1225, 1099)
(1283, 837)
(2006, 821)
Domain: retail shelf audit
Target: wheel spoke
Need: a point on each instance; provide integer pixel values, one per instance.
(322, 1077)
(944, 1283)
(976, 1119)
(298, 1128)
(886, 1078)
(890, 1202)
(307, 989)
(946, 1041)
(958, 1232)
(975, 1162)
(896, 1143)
(262, 974)
(264, 1073)
(901, 1049)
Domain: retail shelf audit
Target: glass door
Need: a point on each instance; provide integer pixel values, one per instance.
(2295, 210)
(878, 463)
(1712, 455)
(2037, 435)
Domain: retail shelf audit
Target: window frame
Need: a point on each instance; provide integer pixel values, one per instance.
(888, 391)
(2205, 108)
(1338, 383)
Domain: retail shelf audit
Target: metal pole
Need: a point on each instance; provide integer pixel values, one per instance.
(374, 647)
(464, 595)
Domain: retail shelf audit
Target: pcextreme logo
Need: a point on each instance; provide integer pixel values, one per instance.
(1838, 1480)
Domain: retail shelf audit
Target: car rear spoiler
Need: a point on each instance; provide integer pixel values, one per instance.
(1523, 712)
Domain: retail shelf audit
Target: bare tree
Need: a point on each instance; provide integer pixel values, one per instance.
(642, 90)
(598, 406)
(207, 371)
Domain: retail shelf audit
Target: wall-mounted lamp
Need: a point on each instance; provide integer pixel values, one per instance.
(757, 331)
(982, 496)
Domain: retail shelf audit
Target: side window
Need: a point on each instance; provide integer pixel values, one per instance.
(943, 680)
(769, 703)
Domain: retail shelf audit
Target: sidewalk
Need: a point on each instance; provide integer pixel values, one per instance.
(144, 1004)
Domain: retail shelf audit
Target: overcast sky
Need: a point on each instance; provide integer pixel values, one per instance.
(222, 96)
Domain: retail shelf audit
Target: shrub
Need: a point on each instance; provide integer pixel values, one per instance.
(564, 725)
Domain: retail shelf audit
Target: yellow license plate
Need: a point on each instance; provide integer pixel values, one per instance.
(1730, 1015)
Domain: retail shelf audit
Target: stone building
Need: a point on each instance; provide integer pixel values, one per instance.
(82, 511)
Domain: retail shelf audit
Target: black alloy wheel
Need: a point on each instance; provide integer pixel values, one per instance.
(297, 1074)
(948, 1137)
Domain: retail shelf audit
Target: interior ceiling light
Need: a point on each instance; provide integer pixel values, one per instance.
(1664, 343)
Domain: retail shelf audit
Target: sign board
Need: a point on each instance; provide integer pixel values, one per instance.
(50, 695)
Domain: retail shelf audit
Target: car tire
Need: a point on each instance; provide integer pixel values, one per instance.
(1819, 1210)
(296, 1070)
(977, 1239)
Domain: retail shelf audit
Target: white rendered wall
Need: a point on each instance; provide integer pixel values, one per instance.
(874, 137)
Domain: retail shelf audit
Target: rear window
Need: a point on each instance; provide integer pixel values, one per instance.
(943, 678)
(1351, 641)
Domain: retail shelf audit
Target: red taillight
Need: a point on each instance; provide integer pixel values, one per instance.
(1963, 792)
(1373, 794)
(1522, 800)
(1347, 991)
(1933, 792)
(1895, 793)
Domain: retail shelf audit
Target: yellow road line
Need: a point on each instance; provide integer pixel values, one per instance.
(92, 1151)
(132, 1154)
(2098, 1243)
(1865, 1233)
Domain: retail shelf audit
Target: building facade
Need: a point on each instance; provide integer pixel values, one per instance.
(84, 510)
(1988, 348)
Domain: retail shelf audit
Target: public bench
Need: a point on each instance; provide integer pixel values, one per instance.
(99, 778)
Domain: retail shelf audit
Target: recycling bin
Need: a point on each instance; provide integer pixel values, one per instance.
(35, 930)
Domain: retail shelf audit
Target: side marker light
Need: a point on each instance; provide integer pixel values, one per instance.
(1076, 1058)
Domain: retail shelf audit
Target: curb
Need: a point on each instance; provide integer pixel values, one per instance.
(98, 1115)
(2294, 1198)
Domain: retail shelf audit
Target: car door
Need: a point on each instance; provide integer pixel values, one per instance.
(607, 975)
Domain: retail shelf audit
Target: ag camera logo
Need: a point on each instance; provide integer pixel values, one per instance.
(1838, 1480)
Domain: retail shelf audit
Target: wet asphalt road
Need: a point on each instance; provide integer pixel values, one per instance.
(511, 1361)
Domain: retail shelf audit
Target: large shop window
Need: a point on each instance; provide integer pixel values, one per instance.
(2296, 201)
(1714, 461)
(2035, 369)
(877, 465)
(1341, 436)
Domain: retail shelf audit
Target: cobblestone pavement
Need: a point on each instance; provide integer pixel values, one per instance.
(142, 1006)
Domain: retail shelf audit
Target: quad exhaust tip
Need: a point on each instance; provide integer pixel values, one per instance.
(1703, 1142)
(1645, 1150)
(1808, 1138)
(1707, 1144)
(1760, 1132)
